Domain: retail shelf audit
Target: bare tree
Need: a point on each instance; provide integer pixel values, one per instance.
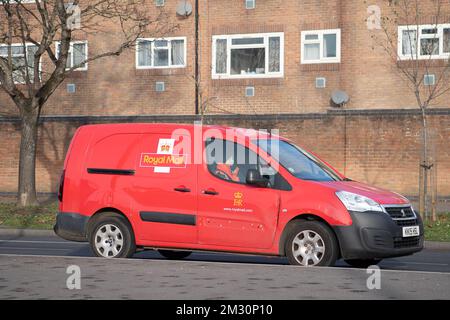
(414, 38)
(36, 48)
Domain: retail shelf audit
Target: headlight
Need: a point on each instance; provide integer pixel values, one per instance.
(359, 203)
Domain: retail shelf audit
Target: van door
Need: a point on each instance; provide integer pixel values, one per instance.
(165, 189)
(232, 213)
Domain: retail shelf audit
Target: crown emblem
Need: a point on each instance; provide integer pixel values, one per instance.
(165, 147)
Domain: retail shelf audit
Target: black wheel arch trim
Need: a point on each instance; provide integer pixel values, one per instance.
(302, 217)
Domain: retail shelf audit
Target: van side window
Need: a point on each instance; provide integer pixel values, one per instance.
(231, 161)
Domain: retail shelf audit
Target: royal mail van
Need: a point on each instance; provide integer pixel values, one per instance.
(182, 188)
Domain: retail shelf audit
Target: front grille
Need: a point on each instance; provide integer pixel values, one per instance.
(407, 223)
(400, 212)
(406, 242)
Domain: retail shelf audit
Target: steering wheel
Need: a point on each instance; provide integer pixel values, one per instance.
(222, 175)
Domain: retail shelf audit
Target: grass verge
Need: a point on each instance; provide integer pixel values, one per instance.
(38, 217)
(439, 230)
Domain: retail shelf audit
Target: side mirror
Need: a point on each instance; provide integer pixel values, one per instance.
(254, 178)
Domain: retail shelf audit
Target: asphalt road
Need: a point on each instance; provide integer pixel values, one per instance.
(35, 267)
(427, 260)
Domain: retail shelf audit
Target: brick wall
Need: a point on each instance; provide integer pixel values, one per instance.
(113, 86)
(380, 148)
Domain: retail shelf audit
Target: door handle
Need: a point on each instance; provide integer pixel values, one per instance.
(210, 192)
(182, 189)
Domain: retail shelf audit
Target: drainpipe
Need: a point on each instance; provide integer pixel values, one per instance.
(197, 69)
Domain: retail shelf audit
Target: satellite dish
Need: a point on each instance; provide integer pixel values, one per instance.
(184, 8)
(339, 98)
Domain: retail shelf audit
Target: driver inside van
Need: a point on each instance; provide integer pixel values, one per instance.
(225, 171)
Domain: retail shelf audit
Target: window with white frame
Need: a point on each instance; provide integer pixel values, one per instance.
(248, 56)
(424, 42)
(161, 53)
(250, 4)
(22, 1)
(321, 46)
(78, 54)
(21, 57)
(159, 3)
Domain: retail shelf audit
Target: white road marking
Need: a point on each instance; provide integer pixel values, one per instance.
(23, 248)
(424, 263)
(221, 263)
(42, 242)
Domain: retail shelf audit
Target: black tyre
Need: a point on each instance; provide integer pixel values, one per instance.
(111, 236)
(363, 263)
(311, 243)
(174, 255)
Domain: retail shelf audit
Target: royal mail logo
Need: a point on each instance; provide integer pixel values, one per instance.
(163, 160)
(155, 160)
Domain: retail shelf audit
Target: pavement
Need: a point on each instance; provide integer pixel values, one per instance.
(33, 265)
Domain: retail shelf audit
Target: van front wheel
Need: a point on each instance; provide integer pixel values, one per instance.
(311, 244)
(112, 237)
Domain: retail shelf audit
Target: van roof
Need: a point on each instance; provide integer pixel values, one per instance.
(169, 127)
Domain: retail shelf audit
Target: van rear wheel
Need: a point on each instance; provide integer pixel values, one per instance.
(112, 237)
(311, 244)
(174, 255)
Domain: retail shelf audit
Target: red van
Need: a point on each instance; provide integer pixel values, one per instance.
(182, 188)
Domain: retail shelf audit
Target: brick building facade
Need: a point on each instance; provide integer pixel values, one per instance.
(276, 63)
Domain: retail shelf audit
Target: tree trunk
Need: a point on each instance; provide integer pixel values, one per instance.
(425, 164)
(27, 161)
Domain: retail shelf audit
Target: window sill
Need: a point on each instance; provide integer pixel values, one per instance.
(160, 71)
(246, 77)
(434, 62)
(247, 82)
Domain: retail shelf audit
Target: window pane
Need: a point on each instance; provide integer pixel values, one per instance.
(69, 55)
(274, 54)
(243, 41)
(145, 53)
(447, 40)
(31, 50)
(18, 64)
(177, 52)
(298, 162)
(79, 55)
(248, 61)
(429, 31)
(312, 51)
(429, 46)
(409, 42)
(230, 161)
(221, 56)
(161, 57)
(312, 37)
(329, 45)
(161, 43)
(17, 50)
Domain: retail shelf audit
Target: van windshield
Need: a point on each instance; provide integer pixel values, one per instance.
(297, 161)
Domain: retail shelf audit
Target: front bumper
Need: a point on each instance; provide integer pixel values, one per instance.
(71, 226)
(375, 235)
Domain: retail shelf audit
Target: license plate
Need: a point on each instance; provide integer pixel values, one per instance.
(411, 231)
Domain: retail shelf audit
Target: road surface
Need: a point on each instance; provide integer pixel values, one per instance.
(35, 267)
